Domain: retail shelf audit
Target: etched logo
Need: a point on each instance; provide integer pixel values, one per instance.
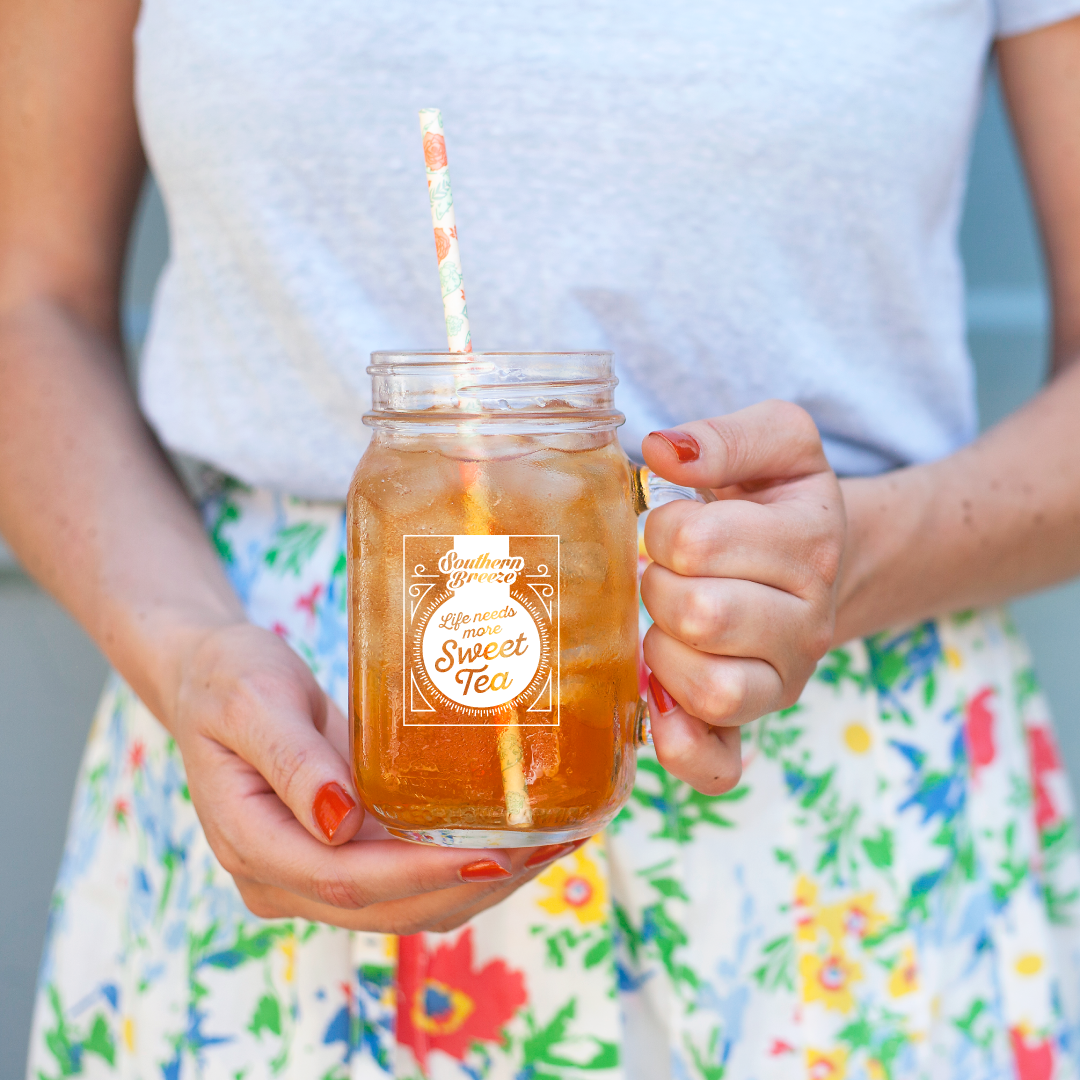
(481, 630)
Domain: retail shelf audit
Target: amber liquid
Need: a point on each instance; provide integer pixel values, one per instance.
(576, 773)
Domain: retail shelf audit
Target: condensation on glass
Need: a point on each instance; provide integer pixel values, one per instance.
(492, 548)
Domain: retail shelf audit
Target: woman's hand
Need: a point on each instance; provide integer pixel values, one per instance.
(265, 752)
(742, 590)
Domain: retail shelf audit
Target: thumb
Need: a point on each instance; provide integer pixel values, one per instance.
(774, 440)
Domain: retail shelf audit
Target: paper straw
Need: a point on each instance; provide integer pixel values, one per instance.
(446, 239)
(459, 339)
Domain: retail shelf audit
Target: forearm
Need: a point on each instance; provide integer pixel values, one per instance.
(92, 508)
(999, 518)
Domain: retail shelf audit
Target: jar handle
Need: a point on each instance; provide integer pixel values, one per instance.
(651, 491)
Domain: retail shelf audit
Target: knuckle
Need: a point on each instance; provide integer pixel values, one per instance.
(678, 760)
(336, 891)
(700, 618)
(818, 644)
(825, 561)
(288, 766)
(259, 903)
(724, 693)
(445, 925)
(732, 439)
(689, 543)
(230, 860)
(798, 423)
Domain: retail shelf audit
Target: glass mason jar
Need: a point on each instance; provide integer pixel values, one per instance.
(493, 620)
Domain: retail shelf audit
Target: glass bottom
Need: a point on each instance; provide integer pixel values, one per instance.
(493, 838)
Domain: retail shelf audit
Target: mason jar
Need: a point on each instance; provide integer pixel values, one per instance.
(493, 619)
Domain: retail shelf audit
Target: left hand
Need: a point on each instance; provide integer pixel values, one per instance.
(742, 591)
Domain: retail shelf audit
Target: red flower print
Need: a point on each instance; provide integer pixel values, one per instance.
(306, 601)
(280, 629)
(1034, 1059)
(444, 1004)
(121, 809)
(442, 244)
(780, 1047)
(137, 755)
(434, 151)
(979, 729)
(1044, 759)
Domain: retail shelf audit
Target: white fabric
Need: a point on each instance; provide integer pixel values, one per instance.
(742, 200)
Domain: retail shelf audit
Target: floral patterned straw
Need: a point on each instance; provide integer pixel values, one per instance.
(446, 243)
(459, 339)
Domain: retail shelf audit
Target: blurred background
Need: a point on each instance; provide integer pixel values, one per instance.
(51, 674)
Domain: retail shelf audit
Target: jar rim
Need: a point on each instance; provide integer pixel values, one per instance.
(537, 389)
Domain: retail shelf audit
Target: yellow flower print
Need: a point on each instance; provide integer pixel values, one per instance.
(127, 1030)
(875, 1070)
(1029, 964)
(581, 890)
(806, 926)
(905, 975)
(857, 738)
(858, 916)
(288, 947)
(826, 1065)
(953, 658)
(828, 979)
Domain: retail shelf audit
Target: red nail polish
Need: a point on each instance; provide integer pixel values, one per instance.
(684, 444)
(483, 870)
(550, 853)
(332, 805)
(664, 701)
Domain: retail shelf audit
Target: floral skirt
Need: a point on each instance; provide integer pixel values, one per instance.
(892, 891)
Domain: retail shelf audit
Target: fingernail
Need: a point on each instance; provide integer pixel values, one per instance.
(664, 701)
(332, 804)
(684, 444)
(483, 870)
(550, 853)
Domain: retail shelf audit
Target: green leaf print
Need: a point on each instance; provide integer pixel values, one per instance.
(707, 1065)
(836, 669)
(267, 1016)
(599, 951)
(778, 970)
(879, 849)
(681, 808)
(100, 1041)
(67, 1046)
(858, 1034)
(1026, 686)
(539, 1046)
(225, 516)
(977, 1025)
(338, 578)
(929, 690)
(772, 734)
(294, 545)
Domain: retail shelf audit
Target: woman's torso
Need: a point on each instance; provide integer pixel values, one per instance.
(742, 200)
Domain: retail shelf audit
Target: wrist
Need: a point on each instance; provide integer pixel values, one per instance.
(887, 527)
(158, 660)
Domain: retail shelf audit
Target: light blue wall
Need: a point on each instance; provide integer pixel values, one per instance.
(50, 674)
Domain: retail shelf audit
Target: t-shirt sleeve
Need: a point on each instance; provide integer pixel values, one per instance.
(1020, 16)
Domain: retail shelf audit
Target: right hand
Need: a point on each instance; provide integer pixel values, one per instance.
(265, 752)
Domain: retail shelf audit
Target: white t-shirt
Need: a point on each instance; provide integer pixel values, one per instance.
(742, 200)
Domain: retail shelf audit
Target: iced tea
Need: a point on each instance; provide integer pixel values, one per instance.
(493, 623)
